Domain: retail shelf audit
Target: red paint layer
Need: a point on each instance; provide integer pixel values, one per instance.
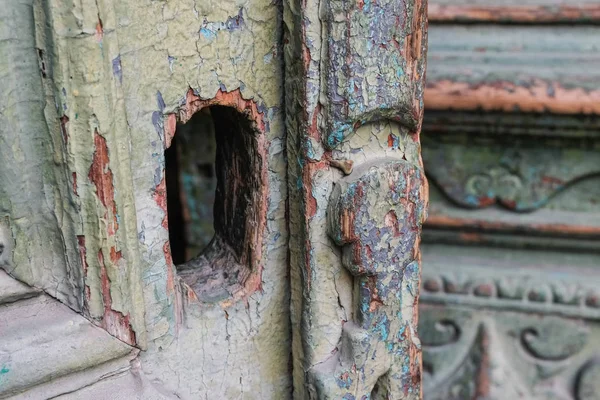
(232, 99)
(170, 128)
(102, 178)
(99, 30)
(114, 322)
(442, 221)
(85, 266)
(74, 175)
(515, 13)
(160, 197)
(63, 128)
(540, 96)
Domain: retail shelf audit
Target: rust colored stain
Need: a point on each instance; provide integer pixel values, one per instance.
(233, 99)
(115, 256)
(160, 197)
(63, 128)
(442, 221)
(170, 267)
(471, 237)
(390, 140)
(414, 356)
(483, 371)
(102, 178)
(85, 266)
(515, 13)
(170, 128)
(99, 30)
(74, 175)
(375, 301)
(413, 51)
(391, 221)
(114, 322)
(506, 96)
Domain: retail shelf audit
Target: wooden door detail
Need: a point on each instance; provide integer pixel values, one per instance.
(358, 197)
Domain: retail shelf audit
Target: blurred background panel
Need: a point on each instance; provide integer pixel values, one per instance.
(510, 301)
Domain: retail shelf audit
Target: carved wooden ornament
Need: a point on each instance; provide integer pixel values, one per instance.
(354, 79)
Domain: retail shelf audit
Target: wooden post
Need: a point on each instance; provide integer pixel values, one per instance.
(358, 196)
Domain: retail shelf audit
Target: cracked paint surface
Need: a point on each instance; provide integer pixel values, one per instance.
(359, 102)
(113, 78)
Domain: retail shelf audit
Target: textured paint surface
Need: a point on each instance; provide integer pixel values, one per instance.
(103, 85)
(498, 68)
(354, 81)
(376, 215)
(512, 11)
(519, 173)
(35, 193)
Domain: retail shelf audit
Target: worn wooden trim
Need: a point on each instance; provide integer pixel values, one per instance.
(540, 96)
(499, 68)
(521, 13)
(512, 225)
(524, 280)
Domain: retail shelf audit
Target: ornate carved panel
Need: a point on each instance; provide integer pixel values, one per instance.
(509, 299)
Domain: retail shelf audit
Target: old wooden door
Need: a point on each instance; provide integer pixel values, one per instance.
(511, 147)
(211, 199)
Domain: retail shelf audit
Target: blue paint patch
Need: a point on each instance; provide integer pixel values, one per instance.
(267, 58)
(160, 101)
(157, 121)
(116, 67)
(209, 29)
(171, 60)
(208, 34)
(472, 200)
(344, 381)
(336, 136)
(310, 152)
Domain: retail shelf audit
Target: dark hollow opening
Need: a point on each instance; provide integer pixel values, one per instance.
(214, 186)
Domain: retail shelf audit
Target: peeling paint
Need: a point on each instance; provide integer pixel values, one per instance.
(101, 176)
(115, 322)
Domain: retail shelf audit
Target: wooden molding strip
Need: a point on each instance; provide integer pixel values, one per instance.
(584, 13)
(540, 96)
(549, 228)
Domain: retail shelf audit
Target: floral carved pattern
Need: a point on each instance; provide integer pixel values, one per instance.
(520, 174)
(477, 355)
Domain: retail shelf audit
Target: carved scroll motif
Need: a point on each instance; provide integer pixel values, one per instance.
(523, 176)
(469, 354)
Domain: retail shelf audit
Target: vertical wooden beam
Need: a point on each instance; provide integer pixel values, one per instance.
(358, 196)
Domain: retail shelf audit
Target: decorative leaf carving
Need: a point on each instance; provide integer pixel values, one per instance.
(555, 339)
(521, 174)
